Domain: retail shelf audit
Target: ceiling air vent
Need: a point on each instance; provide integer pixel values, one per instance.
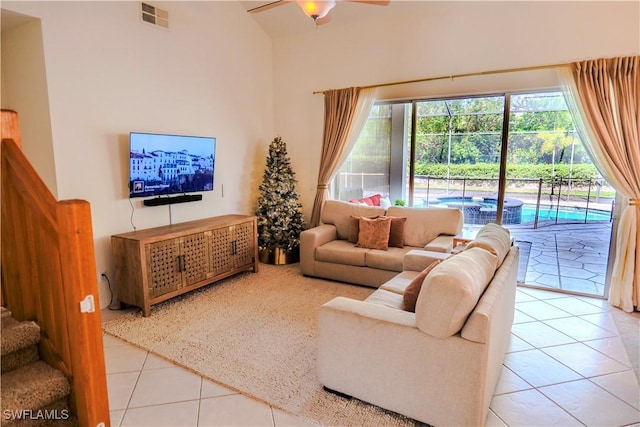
(154, 15)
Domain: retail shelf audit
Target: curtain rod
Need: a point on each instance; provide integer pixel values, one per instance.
(456, 76)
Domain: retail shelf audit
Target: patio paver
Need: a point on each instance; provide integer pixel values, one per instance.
(569, 257)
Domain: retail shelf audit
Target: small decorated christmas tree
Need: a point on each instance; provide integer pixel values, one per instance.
(279, 213)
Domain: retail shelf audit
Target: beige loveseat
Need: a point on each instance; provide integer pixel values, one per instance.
(439, 364)
(326, 250)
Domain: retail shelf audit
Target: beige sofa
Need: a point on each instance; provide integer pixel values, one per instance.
(325, 250)
(439, 364)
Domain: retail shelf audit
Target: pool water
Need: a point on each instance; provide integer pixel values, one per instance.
(483, 210)
(548, 213)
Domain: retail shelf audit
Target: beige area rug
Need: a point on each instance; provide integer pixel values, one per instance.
(255, 333)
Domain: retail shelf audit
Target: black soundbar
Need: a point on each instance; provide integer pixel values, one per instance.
(159, 201)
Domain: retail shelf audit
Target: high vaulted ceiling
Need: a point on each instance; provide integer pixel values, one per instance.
(287, 19)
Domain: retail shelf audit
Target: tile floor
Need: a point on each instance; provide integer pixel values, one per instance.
(566, 366)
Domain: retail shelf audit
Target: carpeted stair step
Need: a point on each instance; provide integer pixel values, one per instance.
(32, 387)
(18, 344)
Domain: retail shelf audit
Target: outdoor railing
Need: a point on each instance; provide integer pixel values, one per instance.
(544, 201)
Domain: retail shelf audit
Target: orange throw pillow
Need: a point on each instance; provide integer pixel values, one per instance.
(413, 290)
(354, 227)
(396, 235)
(374, 233)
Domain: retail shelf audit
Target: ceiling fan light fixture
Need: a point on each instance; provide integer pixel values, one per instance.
(316, 9)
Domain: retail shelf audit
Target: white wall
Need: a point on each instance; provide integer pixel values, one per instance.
(436, 39)
(108, 73)
(24, 89)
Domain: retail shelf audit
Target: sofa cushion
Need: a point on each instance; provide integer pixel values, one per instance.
(337, 213)
(450, 292)
(341, 252)
(493, 238)
(396, 234)
(418, 259)
(425, 224)
(374, 232)
(386, 299)
(399, 283)
(392, 259)
(412, 291)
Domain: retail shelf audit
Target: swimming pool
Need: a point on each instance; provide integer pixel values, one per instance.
(564, 213)
(478, 210)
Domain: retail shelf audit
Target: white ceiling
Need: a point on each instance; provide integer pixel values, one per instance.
(287, 18)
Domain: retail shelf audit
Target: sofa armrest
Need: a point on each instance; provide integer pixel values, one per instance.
(309, 240)
(442, 243)
(418, 259)
(355, 332)
(377, 354)
(371, 312)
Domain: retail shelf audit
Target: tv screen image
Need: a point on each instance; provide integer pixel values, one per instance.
(161, 165)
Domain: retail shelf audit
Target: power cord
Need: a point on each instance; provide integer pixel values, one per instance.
(105, 277)
(133, 210)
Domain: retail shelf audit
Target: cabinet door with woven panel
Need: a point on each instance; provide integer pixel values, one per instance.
(195, 261)
(243, 248)
(220, 259)
(162, 263)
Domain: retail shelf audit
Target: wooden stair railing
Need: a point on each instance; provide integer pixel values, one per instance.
(48, 269)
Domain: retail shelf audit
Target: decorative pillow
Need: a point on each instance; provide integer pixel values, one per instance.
(385, 202)
(367, 201)
(374, 233)
(396, 235)
(337, 212)
(412, 291)
(375, 199)
(354, 227)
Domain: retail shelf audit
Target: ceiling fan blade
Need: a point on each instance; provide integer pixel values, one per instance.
(325, 20)
(372, 2)
(267, 6)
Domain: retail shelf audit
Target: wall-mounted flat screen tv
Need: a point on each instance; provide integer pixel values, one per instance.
(161, 165)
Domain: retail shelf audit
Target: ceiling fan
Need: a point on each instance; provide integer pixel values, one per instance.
(316, 10)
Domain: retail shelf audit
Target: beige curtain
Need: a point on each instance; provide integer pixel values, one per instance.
(345, 114)
(604, 95)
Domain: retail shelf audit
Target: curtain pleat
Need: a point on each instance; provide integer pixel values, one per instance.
(345, 113)
(604, 97)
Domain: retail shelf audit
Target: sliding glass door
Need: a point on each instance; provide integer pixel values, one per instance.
(514, 159)
(566, 218)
